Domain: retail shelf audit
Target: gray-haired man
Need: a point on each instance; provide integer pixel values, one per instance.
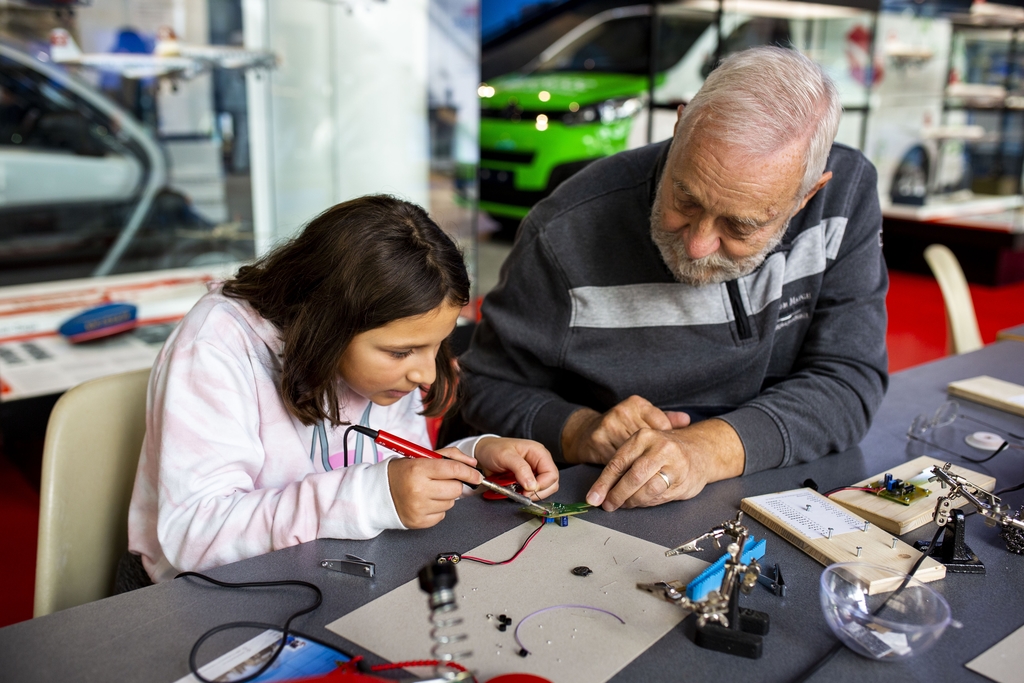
(734, 275)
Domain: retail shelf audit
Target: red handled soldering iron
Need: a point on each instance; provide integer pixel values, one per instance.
(411, 450)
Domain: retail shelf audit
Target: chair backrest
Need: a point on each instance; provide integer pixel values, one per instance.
(961, 322)
(90, 455)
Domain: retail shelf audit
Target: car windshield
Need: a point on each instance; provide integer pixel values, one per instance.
(621, 45)
(38, 113)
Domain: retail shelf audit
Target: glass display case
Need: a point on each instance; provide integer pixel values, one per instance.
(986, 93)
(123, 141)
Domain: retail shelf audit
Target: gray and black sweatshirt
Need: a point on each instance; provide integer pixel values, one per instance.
(587, 314)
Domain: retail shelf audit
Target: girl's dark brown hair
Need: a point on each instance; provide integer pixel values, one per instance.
(357, 266)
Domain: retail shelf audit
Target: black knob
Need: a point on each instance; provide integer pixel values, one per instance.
(434, 577)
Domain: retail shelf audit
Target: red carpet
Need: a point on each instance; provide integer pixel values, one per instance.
(917, 334)
(19, 523)
(917, 322)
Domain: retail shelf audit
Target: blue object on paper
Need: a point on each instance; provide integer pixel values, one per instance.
(101, 321)
(711, 578)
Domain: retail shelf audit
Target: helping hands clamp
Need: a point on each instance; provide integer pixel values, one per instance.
(721, 624)
(988, 505)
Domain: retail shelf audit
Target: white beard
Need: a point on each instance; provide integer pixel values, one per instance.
(707, 270)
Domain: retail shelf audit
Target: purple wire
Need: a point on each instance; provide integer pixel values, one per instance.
(548, 609)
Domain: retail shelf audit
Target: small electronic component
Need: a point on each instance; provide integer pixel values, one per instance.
(453, 558)
(897, 490)
(559, 513)
(582, 571)
(504, 622)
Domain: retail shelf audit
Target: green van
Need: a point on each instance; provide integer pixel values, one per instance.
(586, 96)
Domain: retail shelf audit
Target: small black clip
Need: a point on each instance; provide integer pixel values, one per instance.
(774, 582)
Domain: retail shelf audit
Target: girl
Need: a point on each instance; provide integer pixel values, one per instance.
(249, 398)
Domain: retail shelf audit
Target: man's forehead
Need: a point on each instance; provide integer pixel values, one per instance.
(755, 187)
(754, 210)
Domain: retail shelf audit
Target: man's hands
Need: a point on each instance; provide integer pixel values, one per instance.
(636, 441)
(528, 460)
(589, 436)
(425, 489)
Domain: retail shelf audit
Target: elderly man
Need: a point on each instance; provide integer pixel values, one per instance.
(693, 311)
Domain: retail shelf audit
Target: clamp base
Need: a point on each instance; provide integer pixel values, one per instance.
(953, 550)
(743, 642)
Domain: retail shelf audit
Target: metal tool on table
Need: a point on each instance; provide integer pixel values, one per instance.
(356, 566)
(953, 550)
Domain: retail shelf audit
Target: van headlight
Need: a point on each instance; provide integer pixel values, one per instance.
(608, 111)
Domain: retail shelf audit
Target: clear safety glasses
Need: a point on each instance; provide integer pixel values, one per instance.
(952, 428)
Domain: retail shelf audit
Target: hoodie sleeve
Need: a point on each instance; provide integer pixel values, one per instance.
(204, 450)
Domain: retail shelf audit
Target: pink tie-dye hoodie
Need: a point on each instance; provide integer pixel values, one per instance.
(226, 473)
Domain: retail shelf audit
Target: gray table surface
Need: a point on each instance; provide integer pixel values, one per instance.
(147, 635)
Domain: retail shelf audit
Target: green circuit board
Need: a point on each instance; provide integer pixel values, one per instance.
(560, 509)
(904, 495)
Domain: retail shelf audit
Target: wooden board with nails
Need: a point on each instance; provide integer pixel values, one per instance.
(991, 392)
(856, 541)
(899, 519)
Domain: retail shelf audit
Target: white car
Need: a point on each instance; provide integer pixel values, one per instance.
(83, 185)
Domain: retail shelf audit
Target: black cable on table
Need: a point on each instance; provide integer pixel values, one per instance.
(285, 630)
(1009, 489)
(1006, 444)
(830, 655)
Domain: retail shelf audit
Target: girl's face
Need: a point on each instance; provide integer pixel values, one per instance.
(386, 363)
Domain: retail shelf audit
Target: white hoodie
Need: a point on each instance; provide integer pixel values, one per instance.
(226, 473)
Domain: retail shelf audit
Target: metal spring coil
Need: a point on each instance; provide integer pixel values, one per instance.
(446, 648)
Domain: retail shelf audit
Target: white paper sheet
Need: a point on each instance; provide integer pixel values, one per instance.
(1002, 661)
(566, 645)
(809, 515)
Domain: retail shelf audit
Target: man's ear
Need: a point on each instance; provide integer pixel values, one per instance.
(679, 115)
(822, 182)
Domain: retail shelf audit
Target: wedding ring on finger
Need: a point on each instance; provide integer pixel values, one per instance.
(668, 482)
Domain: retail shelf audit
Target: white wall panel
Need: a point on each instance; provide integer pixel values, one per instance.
(345, 114)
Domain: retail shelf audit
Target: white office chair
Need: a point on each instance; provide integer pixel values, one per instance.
(90, 456)
(962, 334)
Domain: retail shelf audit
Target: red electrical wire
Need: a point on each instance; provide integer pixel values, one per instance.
(518, 552)
(416, 662)
(352, 666)
(852, 488)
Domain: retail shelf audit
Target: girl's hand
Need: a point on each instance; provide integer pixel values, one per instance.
(528, 460)
(423, 490)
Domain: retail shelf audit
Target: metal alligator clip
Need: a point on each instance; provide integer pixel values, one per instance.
(356, 566)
